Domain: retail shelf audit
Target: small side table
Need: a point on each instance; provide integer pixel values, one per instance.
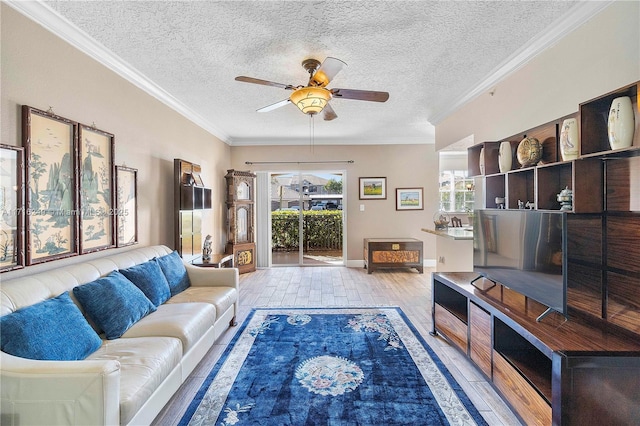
(219, 260)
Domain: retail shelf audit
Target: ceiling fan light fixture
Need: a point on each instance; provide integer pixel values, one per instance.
(310, 100)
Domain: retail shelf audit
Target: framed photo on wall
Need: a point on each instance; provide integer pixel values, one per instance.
(373, 188)
(11, 208)
(409, 199)
(51, 219)
(126, 206)
(97, 174)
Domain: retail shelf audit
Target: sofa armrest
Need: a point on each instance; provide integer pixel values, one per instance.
(59, 392)
(213, 277)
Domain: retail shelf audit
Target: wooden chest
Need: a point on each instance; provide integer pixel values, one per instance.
(392, 253)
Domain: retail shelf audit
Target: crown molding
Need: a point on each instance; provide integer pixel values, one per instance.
(571, 20)
(328, 141)
(61, 27)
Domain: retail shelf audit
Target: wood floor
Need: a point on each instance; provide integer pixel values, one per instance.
(342, 286)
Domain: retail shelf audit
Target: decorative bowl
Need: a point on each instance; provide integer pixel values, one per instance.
(441, 220)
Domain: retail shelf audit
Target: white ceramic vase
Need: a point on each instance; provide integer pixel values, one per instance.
(481, 161)
(621, 123)
(569, 143)
(505, 157)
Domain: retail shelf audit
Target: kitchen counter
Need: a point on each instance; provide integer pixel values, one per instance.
(464, 233)
(454, 249)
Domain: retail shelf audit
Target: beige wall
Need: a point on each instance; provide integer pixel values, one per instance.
(600, 56)
(402, 165)
(40, 70)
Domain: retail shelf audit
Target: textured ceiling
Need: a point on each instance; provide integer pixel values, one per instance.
(427, 54)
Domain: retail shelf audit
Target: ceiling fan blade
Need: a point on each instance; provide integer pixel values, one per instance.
(361, 95)
(329, 113)
(327, 71)
(274, 106)
(263, 82)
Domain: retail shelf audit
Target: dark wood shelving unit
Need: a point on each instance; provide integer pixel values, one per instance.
(452, 301)
(594, 115)
(520, 187)
(495, 186)
(190, 198)
(540, 367)
(530, 362)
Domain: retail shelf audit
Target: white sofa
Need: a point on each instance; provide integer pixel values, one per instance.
(128, 380)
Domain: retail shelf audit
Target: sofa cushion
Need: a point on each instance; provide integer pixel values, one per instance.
(50, 330)
(175, 272)
(149, 278)
(144, 364)
(220, 297)
(185, 321)
(113, 303)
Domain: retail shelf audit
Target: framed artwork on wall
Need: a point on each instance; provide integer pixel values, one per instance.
(11, 208)
(97, 174)
(373, 188)
(51, 219)
(126, 206)
(409, 199)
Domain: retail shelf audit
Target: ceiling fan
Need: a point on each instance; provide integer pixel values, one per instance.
(314, 97)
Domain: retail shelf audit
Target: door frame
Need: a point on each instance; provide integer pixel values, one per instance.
(263, 217)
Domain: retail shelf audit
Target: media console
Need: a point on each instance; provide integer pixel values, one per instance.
(560, 371)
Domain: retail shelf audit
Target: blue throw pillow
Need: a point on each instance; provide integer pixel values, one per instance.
(175, 272)
(113, 303)
(50, 330)
(149, 278)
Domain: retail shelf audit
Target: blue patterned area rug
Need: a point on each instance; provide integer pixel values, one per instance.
(352, 366)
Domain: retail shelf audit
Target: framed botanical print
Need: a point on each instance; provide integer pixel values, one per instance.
(97, 174)
(51, 219)
(11, 208)
(409, 199)
(126, 206)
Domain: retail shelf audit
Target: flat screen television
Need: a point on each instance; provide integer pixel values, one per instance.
(525, 250)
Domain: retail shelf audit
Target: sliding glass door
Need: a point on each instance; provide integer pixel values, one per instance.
(307, 221)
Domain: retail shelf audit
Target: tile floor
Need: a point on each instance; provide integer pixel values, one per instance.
(341, 286)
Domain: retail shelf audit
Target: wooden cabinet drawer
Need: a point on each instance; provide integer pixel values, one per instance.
(451, 327)
(480, 338)
(522, 396)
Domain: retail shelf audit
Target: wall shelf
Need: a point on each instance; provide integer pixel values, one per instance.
(190, 197)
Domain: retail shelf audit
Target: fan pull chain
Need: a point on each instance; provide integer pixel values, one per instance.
(312, 135)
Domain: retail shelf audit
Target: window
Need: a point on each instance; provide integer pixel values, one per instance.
(456, 194)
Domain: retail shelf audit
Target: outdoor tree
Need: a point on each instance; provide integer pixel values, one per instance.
(333, 186)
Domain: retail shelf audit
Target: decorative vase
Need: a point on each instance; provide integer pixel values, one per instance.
(505, 157)
(621, 123)
(529, 152)
(481, 161)
(569, 143)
